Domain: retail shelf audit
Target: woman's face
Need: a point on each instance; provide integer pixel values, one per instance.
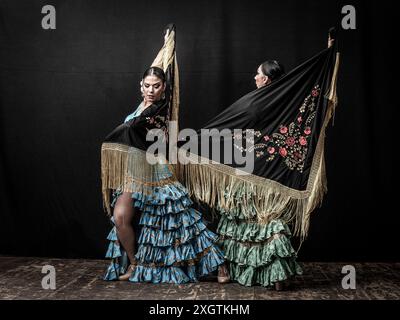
(261, 79)
(153, 88)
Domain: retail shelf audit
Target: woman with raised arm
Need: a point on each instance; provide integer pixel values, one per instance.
(174, 245)
(283, 124)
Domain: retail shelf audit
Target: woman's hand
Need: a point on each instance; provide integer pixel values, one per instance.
(331, 36)
(330, 41)
(166, 36)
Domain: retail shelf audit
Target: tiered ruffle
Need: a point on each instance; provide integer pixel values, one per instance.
(257, 253)
(174, 245)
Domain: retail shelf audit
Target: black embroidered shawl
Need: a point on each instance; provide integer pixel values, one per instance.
(288, 117)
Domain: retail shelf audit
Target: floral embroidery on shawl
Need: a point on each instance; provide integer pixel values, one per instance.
(292, 140)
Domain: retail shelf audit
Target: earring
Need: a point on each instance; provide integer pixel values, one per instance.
(163, 95)
(141, 87)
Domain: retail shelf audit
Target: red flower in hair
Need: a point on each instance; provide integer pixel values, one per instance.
(283, 129)
(283, 152)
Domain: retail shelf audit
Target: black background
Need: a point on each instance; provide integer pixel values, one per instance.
(62, 91)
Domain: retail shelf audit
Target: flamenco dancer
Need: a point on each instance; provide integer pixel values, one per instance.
(288, 114)
(174, 245)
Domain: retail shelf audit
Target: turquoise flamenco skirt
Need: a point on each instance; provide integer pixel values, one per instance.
(174, 245)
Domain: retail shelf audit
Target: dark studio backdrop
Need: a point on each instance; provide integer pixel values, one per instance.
(62, 91)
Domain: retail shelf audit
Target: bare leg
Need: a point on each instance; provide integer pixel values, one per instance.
(123, 215)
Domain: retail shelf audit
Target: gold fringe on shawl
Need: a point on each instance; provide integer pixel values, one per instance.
(165, 58)
(127, 167)
(208, 181)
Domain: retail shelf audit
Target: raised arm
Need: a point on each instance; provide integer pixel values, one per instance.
(331, 36)
(166, 55)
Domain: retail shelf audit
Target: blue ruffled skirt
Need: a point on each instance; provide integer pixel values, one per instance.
(174, 245)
